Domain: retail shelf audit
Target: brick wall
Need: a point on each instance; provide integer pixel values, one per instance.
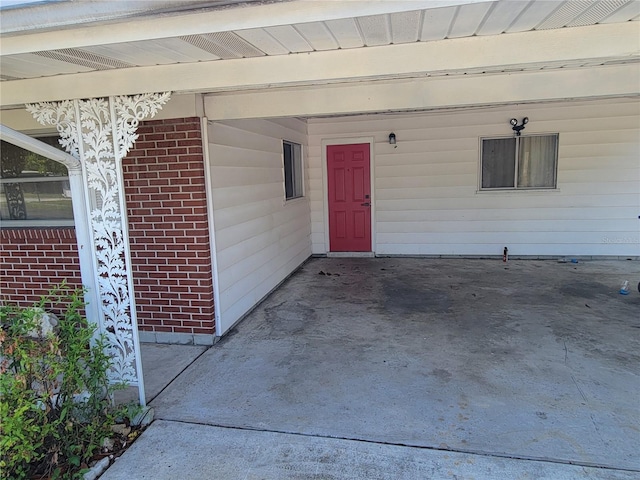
(32, 260)
(168, 228)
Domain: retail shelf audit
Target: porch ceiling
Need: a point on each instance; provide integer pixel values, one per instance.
(207, 32)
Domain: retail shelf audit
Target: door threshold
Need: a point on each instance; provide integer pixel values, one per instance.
(350, 254)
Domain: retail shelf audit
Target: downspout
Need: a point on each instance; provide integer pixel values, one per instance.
(80, 219)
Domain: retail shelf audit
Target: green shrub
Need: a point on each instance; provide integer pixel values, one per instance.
(55, 406)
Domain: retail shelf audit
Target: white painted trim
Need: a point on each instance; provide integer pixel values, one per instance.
(429, 93)
(293, 201)
(178, 106)
(33, 145)
(85, 245)
(204, 126)
(574, 46)
(40, 179)
(510, 192)
(40, 223)
(289, 201)
(325, 193)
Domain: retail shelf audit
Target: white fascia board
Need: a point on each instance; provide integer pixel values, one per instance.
(222, 20)
(428, 93)
(178, 106)
(596, 43)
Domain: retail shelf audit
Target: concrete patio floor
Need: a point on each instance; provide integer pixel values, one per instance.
(413, 368)
(161, 364)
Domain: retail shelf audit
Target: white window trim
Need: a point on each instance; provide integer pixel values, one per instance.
(59, 223)
(36, 223)
(502, 190)
(284, 173)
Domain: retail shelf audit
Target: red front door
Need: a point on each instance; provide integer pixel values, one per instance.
(348, 179)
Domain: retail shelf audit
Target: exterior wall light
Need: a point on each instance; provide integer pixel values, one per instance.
(392, 138)
(518, 128)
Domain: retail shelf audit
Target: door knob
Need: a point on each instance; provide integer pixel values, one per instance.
(366, 204)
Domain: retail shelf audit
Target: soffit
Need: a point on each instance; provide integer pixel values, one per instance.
(480, 18)
(45, 15)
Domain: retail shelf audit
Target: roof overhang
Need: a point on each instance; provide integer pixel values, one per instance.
(229, 46)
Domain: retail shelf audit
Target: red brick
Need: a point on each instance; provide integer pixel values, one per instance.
(178, 135)
(202, 330)
(156, 152)
(188, 126)
(178, 151)
(190, 142)
(33, 260)
(165, 128)
(154, 137)
(168, 227)
(143, 145)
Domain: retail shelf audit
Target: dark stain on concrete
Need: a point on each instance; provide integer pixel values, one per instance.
(441, 374)
(584, 289)
(391, 343)
(404, 297)
(289, 319)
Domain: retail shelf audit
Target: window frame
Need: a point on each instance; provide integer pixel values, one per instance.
(39, 223)
(516, 164)
(297, 162)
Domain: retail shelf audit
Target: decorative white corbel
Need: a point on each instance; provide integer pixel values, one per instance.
(100, 132)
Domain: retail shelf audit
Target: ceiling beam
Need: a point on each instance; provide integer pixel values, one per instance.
(596, 43)
(427, 93)
(209, 21)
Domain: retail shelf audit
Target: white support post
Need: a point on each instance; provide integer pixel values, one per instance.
(83, 240)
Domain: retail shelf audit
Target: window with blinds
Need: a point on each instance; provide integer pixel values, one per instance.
(526, 162)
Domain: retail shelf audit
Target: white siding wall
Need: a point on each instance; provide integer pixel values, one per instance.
(260, 238)
(426, 198)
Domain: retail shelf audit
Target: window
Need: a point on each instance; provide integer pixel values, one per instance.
(34, 190)
(527, 162)
(292, 170)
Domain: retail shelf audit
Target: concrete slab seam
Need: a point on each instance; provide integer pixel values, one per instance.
(422, 447)
(180, 373)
